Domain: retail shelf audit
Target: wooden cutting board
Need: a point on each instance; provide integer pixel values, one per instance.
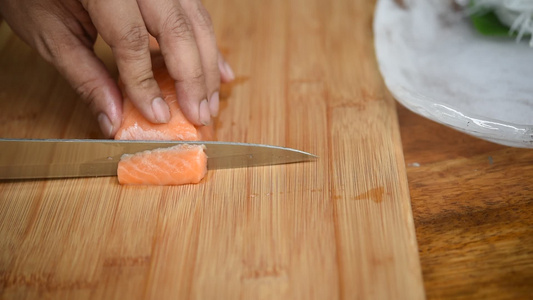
(340, 227)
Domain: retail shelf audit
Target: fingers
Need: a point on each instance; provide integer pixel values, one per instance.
(95, 85)
(188, 47)
(185, 34)
(63, 35)
(121, 25)
(69, 49)
(91, 80)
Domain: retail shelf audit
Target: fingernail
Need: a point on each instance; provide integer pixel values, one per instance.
(105, 124)
(228, 69)
(213, 104)
(205, 115)
(161, 110)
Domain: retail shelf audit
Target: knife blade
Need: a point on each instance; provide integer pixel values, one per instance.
(61, 158)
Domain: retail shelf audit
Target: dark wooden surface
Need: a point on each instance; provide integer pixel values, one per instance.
(473, 208)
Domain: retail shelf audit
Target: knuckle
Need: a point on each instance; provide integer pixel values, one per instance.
(88, 91)
(133, 38)
(49, 51)
(214, 77)
(54, 49)
(202, 18)
(143, 80)
(198, 77)
(194, 78)
(177, 25)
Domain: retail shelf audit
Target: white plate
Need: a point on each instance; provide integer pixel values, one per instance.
(437, 65)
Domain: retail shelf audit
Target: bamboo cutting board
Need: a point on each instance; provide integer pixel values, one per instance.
(340, 227)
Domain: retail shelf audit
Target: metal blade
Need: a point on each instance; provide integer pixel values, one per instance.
(56, 158)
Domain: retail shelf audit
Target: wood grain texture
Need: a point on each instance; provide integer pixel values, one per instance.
(473, 206)
(340, 227)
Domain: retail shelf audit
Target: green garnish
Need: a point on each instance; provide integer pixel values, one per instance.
(489, 24)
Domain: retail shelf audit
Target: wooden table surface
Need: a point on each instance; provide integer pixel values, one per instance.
(473, 207)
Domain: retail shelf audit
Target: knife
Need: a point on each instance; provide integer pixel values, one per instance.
(60, 158)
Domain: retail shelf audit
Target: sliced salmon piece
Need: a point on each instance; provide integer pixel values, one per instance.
(181, 164)
(135, 127)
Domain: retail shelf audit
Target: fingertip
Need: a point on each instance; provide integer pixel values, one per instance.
(108, 108)
(106, 126)
(109, 122)
(149, 102)
(160, 110)
(214, 102)
(205, 114)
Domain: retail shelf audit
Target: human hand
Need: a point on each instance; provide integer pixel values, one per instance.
(64, 32)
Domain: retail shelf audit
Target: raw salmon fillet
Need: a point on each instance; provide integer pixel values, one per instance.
(135, 127)
(176, 165)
